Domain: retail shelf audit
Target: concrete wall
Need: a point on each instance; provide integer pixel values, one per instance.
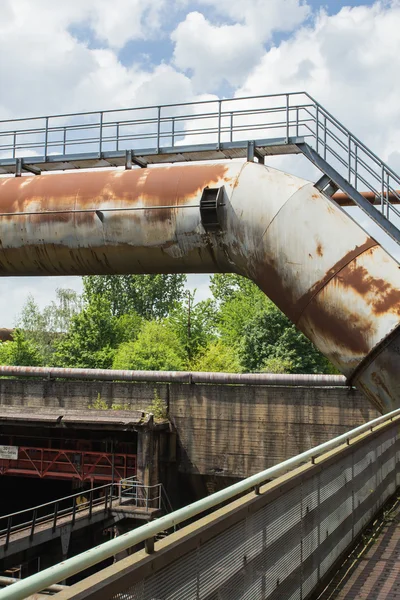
(224, 430)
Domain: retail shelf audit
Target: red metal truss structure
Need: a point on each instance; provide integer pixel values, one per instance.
(69, 464)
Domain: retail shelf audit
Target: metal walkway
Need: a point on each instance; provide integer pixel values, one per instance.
(105, 504)
(252, 128)
(280, 534)
(373, 571)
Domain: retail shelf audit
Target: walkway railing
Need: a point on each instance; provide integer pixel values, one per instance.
(280, 539)
(51, 513)
(279, 122)
(82, 504)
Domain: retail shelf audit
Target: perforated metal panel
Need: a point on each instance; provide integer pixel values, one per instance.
(282, 550)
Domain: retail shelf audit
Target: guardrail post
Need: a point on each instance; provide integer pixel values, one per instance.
(73, 510)
(90, 503)
(65, 141)
(101, 134)
(149, 545)
(316, 128)
(231, 127)
(158, 128)
(55, 516)
(287, 118)
(33, 523)
(14, 144)
(9, 525)
(219, 123)
(173, 131)
(46, 138)
(117, 136)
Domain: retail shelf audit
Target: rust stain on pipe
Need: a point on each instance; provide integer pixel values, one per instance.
(327, 274)
(344, 200)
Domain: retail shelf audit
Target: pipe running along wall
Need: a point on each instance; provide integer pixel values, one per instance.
(323, 270)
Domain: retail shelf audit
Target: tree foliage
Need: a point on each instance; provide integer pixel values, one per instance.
(150, 296)
(149, 322)
(91, 339)
(43, 328)
(157, 348)
(19, 352)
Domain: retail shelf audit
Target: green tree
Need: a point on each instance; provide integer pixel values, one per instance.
(271, 341)
(193, 323)
(157, 348)
(91, 339)
(43, 327)
(237, 300)
(217, 357)
(150, 296)
(19, 352)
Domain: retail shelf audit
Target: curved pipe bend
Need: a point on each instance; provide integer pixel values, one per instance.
(321, 268)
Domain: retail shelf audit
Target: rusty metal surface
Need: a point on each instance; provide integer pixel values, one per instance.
(320, 267)
(6, 335)
(344, 200)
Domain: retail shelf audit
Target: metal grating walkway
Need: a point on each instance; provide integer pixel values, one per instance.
(375, 572)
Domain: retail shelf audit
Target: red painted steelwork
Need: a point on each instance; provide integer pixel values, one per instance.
(69, 464)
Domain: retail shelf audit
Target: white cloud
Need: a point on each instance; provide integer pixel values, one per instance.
(224, 52)
(349, 62)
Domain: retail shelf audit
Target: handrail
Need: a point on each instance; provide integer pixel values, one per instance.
(114, 491)
(79, 563)
(233, 120)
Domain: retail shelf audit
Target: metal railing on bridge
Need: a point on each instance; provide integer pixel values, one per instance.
(278, 534)
(83, 504)
(214, 129)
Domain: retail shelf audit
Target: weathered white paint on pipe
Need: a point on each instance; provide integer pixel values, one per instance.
(79, 563)
(320, 267)
(177, 376)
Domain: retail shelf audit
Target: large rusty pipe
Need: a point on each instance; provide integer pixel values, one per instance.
(321, 268)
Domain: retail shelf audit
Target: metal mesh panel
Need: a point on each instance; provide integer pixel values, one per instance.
(283, 549)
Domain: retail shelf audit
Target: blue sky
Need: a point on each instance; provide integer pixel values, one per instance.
(97, 54)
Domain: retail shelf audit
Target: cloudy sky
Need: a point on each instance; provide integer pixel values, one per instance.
(97, 54)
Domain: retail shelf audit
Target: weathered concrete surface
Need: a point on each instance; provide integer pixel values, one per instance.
(222, 430)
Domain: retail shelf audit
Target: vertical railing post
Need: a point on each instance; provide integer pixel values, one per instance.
(101, 134)
(231, 127)
(355, 165)
(173, 131)
(55, 516)
(46, 138)
(158, 128)
(90, 503)
(219, 123)
(297, 121)
(73, 510)
(324, 137)
(9, 525)
(33, 523)
(317, 128)
(65, 141)
(14, 144)
(387, 196)
(117, 140)
(349, 158)
(383, 190)
(287, 119)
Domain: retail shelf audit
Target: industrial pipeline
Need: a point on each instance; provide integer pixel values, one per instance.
(334, 281)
